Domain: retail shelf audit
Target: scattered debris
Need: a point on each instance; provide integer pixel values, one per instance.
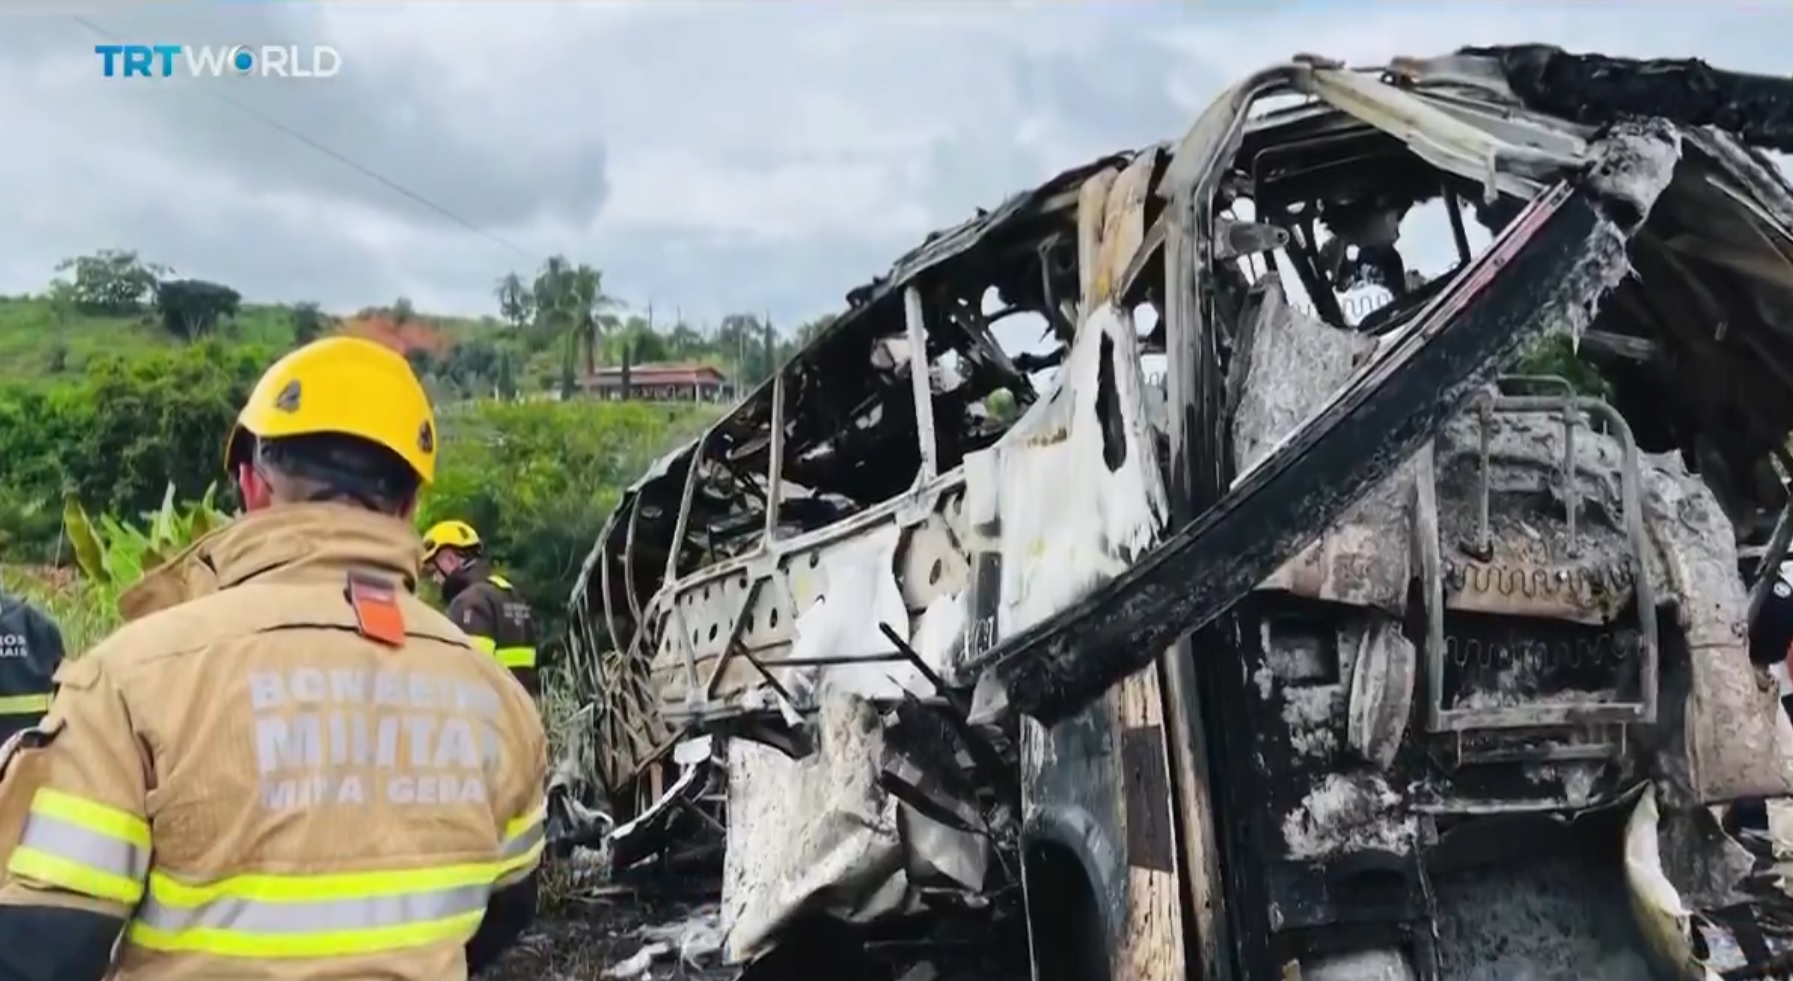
(623, 936)
(696, 939)
(637, 965)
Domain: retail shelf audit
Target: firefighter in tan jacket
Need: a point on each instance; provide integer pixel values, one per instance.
(285, 766)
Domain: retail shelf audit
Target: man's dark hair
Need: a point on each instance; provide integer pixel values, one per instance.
(328, 467)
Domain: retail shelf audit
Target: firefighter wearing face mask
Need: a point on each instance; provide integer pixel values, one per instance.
(285, 765)
(480, 601)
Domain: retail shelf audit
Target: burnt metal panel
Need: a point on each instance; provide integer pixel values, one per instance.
(1072, 786)
(1146, 788)
(1500, 304)
(1597, 89)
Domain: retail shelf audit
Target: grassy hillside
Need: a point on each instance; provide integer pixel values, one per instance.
(42, 342)
(119, 381)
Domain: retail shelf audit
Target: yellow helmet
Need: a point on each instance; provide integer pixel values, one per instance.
(448, 534)
(347, 386)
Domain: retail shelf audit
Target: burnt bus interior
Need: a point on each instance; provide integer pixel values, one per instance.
(1543, 646)
(1538, 646)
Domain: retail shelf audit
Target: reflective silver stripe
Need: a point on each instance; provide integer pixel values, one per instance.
(521, 844)
(84, 846)
(314, 916)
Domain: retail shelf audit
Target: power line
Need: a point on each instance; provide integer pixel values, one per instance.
(337, 156)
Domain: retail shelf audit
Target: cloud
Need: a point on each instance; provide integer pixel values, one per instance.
(708, 156)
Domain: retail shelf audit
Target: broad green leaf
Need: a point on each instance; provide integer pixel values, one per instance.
(89, 554)
(200, 525)
(162, 531)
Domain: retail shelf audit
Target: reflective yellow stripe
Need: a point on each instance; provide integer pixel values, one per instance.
(523, 841)
(76, 844)
(500, 582)
(261, 915)
(517, 827)
(518, 868)
(510, 657)
(71, 842)
(24, 704)
(92, 815)
(27, 862)
(223, 942)
(264, 887)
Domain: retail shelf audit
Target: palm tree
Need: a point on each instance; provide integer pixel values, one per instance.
(516, 304)
(553, 299)
(588, 299)
(571, 307)
(550, 295)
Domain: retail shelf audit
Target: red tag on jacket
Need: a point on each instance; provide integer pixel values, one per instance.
(377, 615)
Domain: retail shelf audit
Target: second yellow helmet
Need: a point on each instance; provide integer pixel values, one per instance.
(448, 534)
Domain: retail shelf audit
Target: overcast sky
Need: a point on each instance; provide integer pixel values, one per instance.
(709, 156)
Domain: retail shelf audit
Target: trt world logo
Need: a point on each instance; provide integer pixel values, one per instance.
(218, 60)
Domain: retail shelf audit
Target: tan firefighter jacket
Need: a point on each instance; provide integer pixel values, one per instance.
(283, 767)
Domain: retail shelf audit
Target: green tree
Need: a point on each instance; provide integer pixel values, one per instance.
(506, 379)
(422, 361)
(591, 303)
(111, 281)
(642, 343)
(308, 321)
(516, 304)
(191, 308)
(402, 310)
(121, 433)
(752, 347)
(570, 306)
(685, 341)
(473, 366)
(807, 333)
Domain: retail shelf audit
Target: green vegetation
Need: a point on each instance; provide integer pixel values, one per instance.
(1555, 355)
(119, 383)
(116, 553)
(43, 343)
(117, 437)
(110, 554)
(538, 479)
(550, 330)
(136, 437)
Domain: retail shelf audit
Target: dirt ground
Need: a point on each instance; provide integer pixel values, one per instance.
(588, 938)
(648, 938)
